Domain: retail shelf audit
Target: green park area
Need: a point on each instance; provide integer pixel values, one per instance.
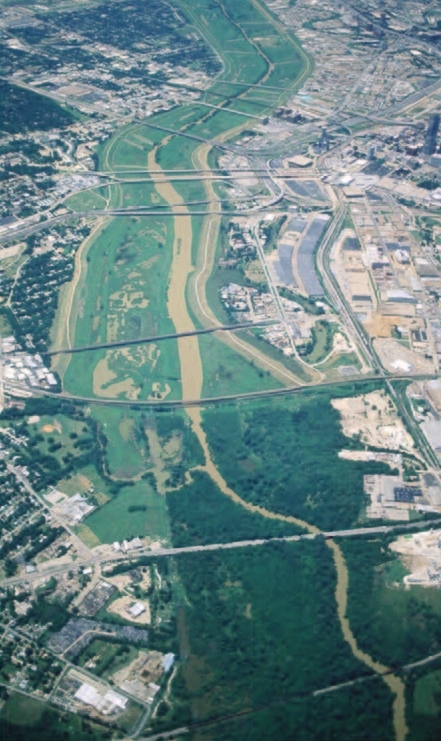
(321, 342)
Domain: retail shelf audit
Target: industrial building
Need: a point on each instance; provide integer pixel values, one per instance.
(431, 134)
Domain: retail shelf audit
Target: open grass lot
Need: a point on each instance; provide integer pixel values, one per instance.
(251, 641)
(95, 198)
(126, 449)
(283, 455)
(332, 365)
(252, 338)
(427, 698)
(24, 719)
(322, 342)
(107, 657)
(424, 702)
(85, 478)
(128, 149)
(129, 195)
(227, 372)
(23, 711)
(124, 515)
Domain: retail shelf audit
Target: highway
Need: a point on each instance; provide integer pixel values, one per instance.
(118, 557)
(364, 342)
(205, 401)
(159, 337)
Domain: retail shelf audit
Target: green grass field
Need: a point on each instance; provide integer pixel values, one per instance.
(87, 200)
(323, 334)
(23, 718)
(107, 657)
(427, 697)
(126, 451)
(331, 366)
(227, 372)
(115, 520)
(23, 711)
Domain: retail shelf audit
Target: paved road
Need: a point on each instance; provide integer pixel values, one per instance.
(364, 341)
(81, 547)
(226, 399)
(157, 338)
(115, 558)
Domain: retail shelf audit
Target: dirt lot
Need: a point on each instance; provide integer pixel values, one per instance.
(421, 555)
(392, 352)
(121, 606)
(374, 417)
